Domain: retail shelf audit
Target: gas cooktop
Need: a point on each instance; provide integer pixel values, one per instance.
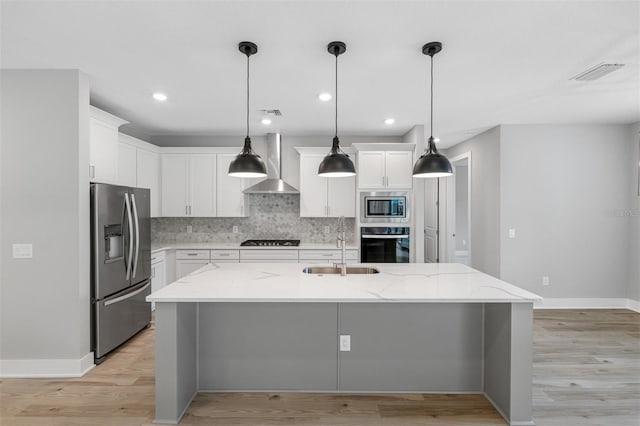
(267, 243)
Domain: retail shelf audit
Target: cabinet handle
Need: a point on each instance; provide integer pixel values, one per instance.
(92, 171)
(186, 210)
(192, 254)
(382, 180)
(328, 211)
(223, 254)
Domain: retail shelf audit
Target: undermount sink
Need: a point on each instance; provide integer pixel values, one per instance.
(351, 270)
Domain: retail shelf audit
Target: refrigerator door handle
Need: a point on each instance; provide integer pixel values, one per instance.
(137, 235)
(130, 227)
(127, 296)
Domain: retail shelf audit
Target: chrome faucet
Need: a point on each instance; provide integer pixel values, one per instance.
(341, 242)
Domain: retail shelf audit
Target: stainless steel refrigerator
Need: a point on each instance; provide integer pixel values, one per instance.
(120, 265)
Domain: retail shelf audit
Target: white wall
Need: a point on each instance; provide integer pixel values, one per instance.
(561, 186)
(416, 136)
(44, 302)
(634, 216)
(485, 198)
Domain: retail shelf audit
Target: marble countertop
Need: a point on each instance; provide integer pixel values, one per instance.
(396, 283)
(236, 246)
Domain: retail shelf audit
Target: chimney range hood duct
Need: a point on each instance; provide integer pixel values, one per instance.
(272, 184)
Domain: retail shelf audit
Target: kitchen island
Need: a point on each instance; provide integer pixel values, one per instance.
(424, 328)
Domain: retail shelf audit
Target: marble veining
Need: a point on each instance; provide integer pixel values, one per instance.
(271, 216)
(285, 282)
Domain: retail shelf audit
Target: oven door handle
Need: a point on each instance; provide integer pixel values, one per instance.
(384, 237)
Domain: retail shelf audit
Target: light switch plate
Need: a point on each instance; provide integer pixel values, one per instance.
(345, 343)
(22, 251)
(189, 229)
(235, 229)
(512, 233)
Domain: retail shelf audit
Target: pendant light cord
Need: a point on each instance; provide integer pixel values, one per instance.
(431, 95)
(336, 135)
(247, 95)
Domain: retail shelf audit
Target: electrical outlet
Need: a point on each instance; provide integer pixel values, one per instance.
(345, 343)
(327, 229)
(545, 280)
(189, 229)
(512, 233)
(235, 229)
(22, 251)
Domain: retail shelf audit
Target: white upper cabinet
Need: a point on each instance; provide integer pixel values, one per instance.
(202, 185)
(230, 199)
(175, 185)
(103, 146)
(371, 171)
(323, 197)
(127, 165)
(385, 169)
(139, 166)
(148, 176)
(188, 185)
(399, 169)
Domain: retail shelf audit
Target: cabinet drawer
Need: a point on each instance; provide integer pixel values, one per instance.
(327, 255)
(192, 254)
(225, 255)
(158, 256)
(268, 255)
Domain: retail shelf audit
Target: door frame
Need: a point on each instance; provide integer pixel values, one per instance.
(449, 242)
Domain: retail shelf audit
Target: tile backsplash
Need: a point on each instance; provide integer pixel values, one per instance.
(271, 216)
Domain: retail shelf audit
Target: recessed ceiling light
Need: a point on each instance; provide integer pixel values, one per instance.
(389, 121)
(324, 97)
(266, 121)
(160, 97)
(436, 139)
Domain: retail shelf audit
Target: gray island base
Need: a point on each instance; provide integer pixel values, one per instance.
(419, 328)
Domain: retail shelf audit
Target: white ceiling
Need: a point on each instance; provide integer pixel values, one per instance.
(503, 62)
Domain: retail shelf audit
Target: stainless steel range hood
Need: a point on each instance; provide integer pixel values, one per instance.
(272, 184)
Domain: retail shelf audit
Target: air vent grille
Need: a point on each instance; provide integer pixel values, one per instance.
(597, 72)
(274, 112)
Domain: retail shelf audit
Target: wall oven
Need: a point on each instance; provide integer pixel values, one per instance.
(384, 244)
(384, 207)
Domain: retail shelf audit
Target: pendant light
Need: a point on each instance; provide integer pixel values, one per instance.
(337, 163)
(432, 164)
(247, 164)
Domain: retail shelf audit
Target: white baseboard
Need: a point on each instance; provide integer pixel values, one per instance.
(588, 303)
(35, 368)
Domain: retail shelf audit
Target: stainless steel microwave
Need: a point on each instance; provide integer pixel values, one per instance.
(384, 207)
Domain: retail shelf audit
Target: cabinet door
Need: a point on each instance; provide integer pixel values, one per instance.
(202, 185)
(158, 278)
(103, 152)
(313, 188)
(371, 169)
(185, 267)
(148, 176)
(230, 199)
(127, 165)
(174, 185)
(399, 168)
(341, 196)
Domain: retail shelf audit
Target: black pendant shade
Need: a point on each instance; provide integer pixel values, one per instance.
(432, 164)
(247, 164)
(337, 163)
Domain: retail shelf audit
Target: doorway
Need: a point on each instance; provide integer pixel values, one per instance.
(458, 211)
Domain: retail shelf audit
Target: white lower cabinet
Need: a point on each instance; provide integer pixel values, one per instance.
(327, 256)
(158, 273)
(269, 256)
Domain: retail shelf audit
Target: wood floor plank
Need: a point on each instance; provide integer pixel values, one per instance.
(586, 372)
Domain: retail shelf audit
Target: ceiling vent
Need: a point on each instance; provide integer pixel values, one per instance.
(274, 112)
(597, 72)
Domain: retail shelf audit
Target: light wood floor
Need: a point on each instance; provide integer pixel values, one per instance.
(586, 372)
